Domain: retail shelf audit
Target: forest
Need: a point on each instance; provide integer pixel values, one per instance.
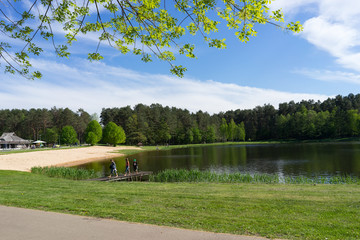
(337, 117)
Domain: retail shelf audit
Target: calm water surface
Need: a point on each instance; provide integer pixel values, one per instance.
(309, 159)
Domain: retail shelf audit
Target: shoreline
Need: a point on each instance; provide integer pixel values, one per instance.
(59, 157)
(88, 160)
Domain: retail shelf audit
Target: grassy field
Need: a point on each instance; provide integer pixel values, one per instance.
(270, 210)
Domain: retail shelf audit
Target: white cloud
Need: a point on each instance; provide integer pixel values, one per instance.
(93, 86)
(345, 11)
(331, 76)
(335, 38)
(292, 7)
(351, 61)
(334, 27)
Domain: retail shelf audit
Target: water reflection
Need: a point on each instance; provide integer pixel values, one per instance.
(312, 159)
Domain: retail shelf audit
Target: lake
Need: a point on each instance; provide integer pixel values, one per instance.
(293, 159)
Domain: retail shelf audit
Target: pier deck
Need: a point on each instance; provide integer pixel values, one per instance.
(122, 177)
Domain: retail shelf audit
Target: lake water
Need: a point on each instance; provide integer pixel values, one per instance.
(306, 159)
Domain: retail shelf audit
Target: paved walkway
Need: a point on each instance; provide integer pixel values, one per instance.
(18, 223)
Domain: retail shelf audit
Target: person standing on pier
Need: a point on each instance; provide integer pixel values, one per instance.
(135, 166)
(127, 167)
(113, 168)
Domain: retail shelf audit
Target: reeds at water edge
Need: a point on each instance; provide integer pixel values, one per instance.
(182, 175)
(64, 172)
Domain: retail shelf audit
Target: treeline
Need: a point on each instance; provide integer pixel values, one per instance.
(156, 124)
(43, 124)
(333, 118)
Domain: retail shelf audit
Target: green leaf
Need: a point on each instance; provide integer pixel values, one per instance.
(95, 57)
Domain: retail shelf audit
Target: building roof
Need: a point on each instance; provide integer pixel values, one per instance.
(11, 138)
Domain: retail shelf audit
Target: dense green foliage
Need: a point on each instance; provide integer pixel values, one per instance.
(337, 117)
(93, 132)
(33, 123)
(68, 135)
(143, 28)
(156, 124)
(67, 173)
(91, 138)
(182, 175)
(276, 211)
(334, 118)
(51, 136)
(113, 134)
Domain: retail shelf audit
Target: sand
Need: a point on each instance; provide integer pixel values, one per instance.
(60, 157)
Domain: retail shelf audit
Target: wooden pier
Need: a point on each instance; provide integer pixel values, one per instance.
(129, 177)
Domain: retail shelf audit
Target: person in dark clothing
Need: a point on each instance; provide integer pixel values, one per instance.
(135, 166)
(113, 168)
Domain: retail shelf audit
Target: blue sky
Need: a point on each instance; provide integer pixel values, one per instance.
(274, 67)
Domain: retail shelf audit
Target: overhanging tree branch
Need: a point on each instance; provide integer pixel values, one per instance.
(122, 23)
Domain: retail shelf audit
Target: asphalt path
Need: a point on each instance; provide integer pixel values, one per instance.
(19, 223)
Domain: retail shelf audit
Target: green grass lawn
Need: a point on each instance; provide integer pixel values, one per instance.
(270, 210)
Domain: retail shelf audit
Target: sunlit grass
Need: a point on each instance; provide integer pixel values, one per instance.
(283, 211)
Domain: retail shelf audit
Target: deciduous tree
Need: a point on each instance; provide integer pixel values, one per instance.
(91, 138)
(240, 132)
(231, 130)
(51, 136)
(224, 129)
(197, 135)
(93, 132)
(113, 134)
(68, 135)
(210, 134)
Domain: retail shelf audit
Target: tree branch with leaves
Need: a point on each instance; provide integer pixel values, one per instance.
(146, 28)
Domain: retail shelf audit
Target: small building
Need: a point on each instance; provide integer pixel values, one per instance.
(11, 141)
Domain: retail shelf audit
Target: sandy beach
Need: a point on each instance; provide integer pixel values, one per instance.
(60, 157)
